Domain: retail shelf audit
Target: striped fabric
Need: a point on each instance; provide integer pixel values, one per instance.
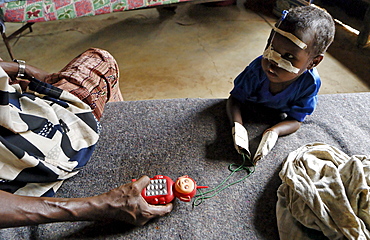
(93, 77)
(46, 136)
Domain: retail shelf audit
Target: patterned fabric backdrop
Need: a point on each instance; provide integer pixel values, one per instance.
(48, 10)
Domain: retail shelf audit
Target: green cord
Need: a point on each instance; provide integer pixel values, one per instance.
(199, 198)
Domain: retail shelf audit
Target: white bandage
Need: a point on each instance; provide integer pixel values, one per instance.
(291, 37)
(268, 141)
(274, 56)
(240, 137)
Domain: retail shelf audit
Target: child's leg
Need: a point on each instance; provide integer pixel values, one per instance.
(93, 77)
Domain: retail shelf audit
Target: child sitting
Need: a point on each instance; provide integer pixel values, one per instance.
(284, 77)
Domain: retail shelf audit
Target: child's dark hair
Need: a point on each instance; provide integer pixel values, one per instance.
(317, 20)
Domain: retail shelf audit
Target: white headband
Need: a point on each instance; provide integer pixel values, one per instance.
(291, 37)
(271, 55)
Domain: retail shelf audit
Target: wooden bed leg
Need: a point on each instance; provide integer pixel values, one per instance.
(6, 39)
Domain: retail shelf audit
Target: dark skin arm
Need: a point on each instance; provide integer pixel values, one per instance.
(11, 68)
(233, 109)
(285, 127)
(124, 203)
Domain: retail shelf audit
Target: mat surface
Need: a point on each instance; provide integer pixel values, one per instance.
(193, 136)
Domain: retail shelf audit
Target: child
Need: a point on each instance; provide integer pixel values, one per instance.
(284, 77)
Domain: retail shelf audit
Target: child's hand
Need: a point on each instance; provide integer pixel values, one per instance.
(240, 137)
(268, 141)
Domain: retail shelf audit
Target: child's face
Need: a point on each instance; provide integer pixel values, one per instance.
(289, 51)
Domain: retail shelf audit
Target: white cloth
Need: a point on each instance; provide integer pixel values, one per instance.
(268, 141)
(326, 190)
(240, 137)
(45, 137)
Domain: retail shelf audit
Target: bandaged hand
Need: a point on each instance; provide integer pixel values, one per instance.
(268, 141)
(240, 137)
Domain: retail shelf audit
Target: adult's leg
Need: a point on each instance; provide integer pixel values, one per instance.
(92, 76)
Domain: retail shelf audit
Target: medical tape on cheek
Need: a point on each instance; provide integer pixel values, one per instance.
(274, 56)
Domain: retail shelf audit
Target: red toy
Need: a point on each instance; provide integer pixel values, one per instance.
(163, 190)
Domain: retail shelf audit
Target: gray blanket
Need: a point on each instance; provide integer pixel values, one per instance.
(193, 136)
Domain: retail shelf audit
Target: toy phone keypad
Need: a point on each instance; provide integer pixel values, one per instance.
(157, 187)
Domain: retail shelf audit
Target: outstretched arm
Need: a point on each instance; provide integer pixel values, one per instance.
(285, 127)
(240, 134)
(270, 136)
(124, 203)
(233, 108)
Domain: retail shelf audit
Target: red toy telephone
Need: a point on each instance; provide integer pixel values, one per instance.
(162, 189)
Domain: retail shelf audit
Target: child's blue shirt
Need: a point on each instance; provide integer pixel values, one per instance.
(298, 100)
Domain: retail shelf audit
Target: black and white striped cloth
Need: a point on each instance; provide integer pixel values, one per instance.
(46, 136)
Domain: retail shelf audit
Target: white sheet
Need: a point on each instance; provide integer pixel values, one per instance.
(324, 189)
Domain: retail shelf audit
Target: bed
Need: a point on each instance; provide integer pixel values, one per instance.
(32, 11)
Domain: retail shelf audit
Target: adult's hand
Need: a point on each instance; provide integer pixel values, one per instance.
(124, 203)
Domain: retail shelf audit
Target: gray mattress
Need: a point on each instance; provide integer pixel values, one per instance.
(192, 136)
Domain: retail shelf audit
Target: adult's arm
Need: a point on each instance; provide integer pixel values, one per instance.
(124, 203)
(11, 68)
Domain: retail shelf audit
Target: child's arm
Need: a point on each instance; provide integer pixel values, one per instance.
(233, 107)
(285, 127)
(240, 134)
(271, 135)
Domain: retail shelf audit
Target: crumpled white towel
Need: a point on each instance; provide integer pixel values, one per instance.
(326, 190)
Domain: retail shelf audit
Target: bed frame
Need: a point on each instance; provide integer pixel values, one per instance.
(32, 11)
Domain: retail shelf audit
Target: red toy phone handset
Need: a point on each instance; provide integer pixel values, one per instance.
(163, 190)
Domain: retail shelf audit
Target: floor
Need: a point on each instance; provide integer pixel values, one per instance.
(193, 53)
